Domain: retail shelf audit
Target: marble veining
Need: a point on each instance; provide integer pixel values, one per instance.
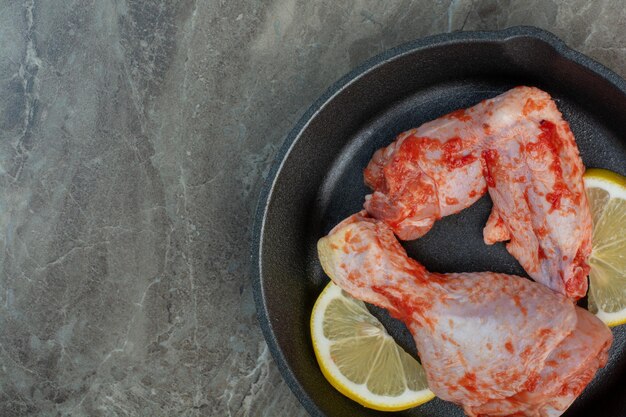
(134, 138)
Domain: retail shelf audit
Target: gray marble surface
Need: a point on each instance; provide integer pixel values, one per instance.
(134, 138)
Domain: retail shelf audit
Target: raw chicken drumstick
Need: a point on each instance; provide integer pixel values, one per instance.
(499, 345)
(518, 147)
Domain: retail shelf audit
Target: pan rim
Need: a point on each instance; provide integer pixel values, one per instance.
(267, 189)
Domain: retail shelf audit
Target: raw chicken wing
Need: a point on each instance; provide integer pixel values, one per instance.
(518, 147)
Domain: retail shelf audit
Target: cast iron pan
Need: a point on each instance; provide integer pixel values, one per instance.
(317, 181)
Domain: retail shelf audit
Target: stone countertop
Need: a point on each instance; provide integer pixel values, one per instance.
(134, 138)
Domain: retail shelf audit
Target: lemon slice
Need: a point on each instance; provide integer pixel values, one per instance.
(360, 359)
(606, 192)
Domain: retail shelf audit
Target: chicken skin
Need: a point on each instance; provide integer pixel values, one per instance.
(496, 344)
(517, 147)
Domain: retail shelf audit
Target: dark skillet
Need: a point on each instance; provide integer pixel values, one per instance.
(317, 181)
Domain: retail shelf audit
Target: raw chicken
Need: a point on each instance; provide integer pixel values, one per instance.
(427, 173)
(518, 147)
(496, 344)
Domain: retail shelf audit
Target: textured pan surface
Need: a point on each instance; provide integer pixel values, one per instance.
(317, 181)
